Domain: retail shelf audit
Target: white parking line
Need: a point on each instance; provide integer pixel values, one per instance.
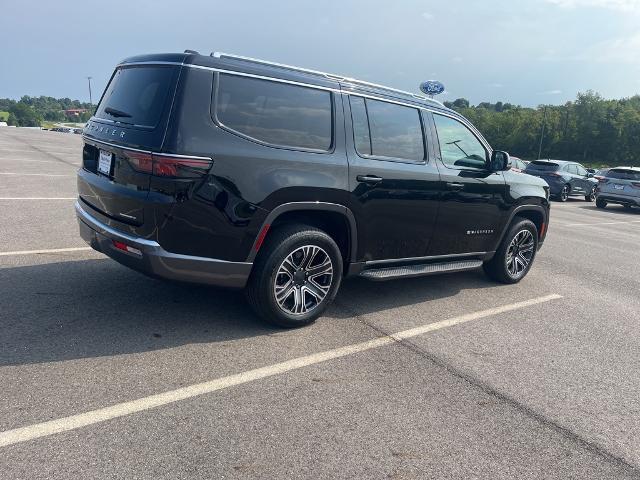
(50, 250)
(37, 174)
(37, 198)
(18, 435)
(595, 224)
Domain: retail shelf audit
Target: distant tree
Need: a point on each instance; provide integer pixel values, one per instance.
(24, 115)
(461, 103)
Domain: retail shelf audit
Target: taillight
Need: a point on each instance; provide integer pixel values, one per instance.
(602, 180)
(163, 165)
(553, 174)
(636, 184)
(180, 166)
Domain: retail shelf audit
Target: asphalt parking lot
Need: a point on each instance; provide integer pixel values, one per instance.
(106, 373)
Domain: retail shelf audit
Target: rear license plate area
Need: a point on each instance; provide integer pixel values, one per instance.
(105, 162)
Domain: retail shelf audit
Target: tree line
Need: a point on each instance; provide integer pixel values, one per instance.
(590, 129)
(32, 111)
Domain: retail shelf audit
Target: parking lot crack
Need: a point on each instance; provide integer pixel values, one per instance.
(486, 388)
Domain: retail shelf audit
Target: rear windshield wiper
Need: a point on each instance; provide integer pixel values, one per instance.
(116, 113)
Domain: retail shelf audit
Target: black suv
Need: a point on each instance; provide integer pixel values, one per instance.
(236, 172)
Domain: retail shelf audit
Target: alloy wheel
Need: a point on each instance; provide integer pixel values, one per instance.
(564, 194)
(520, 253)
(303, 280)
(592, 195)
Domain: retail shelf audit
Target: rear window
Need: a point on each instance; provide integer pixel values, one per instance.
(137, 95)
(548, 166)
(275, 113)
(623, 174)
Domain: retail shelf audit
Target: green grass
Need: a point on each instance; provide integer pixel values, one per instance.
(4, 116)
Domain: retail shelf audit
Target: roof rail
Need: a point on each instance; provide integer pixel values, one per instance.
(340, 78)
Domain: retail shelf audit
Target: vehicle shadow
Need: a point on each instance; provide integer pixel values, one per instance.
(93, 308)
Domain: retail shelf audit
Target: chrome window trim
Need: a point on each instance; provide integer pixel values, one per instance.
(335, 90)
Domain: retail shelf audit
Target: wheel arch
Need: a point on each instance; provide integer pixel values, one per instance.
(536, 213)
(336, 220)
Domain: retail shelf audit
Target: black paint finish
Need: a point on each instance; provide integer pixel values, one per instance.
(393, 209)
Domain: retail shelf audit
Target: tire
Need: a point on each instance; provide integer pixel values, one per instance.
(592, 196)
(504, 267)
(601, 203)
(276, 272)
(563, 196)
(627, 207)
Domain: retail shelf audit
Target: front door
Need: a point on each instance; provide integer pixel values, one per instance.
(472, 207)
(394, 187)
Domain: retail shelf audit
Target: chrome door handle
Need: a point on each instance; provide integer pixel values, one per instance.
(455, 186)
(369, 179)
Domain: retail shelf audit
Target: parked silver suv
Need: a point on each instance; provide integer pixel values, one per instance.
(620, 185)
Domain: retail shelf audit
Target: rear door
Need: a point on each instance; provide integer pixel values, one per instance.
(577, 185)
(129, 123)
(394, 187)
(586, 182)
(473, 205)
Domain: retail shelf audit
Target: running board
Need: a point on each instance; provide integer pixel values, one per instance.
(405, 271)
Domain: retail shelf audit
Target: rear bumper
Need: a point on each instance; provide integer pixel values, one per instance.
(155, 261)
(621, 199)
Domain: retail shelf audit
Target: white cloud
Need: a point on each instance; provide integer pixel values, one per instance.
(621, 5)
(495, 85)
(617, 50)
(456, 59)
(551, 92)
(427, 16)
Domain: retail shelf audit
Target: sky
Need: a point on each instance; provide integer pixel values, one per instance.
(527, 52)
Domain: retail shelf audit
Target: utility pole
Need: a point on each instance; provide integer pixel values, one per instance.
(90, 99)
(544, 120)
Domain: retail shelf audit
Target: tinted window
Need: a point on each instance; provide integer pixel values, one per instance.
(137, 95)
(361, 135)
(542, 166)
(623, 174)
(396, 131)
(458, 146)
(275, 113)
(387, 130)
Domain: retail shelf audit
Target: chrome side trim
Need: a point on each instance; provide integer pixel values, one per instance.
(142, 242)
(125, 147)
(419, 259)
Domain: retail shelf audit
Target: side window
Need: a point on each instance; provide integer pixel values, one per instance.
(361, 135)
(581, 171)
(275, 113)
(573, 169)
(459, 147)
(385, 129)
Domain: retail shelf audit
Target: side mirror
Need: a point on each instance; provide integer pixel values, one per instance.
(500, 161)
(590, 175)
(591, 170)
